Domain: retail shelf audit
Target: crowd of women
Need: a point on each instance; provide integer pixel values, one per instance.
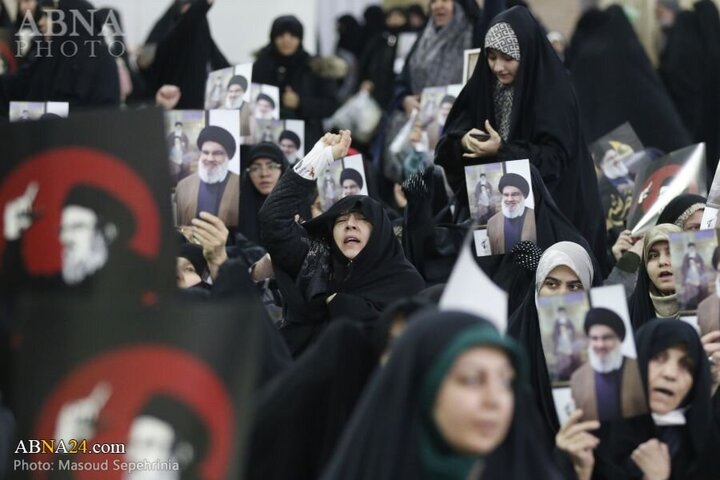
(369, 379)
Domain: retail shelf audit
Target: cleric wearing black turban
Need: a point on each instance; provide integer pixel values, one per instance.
(213, 189)
(608, 386)
(515, 222)
(351, 182)
(235, 100)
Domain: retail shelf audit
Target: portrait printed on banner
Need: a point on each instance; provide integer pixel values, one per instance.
(502, 204)
(183, 417)
(618, 156)
(691, 254)
(217, 85)
(83, 210)
(681, 171)
(601, 369)
(289, 135)
(183, 128)
(435, 106)
(215, 186)
(343, 178)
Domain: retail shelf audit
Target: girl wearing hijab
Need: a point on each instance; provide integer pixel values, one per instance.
(655, 295)
(564, 267)
(87, 79)
(346, 262)
(450, 403)
(305, 93)
(521, 95)
(679, 439)
(264, 166)
(685, 211)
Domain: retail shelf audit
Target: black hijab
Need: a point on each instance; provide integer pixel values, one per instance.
(677, 211)
(694, 455)
(350, 35)
(544, 127)
(615, 82)
(690, 68)
(391, 435)
(363, 287)
(250, 199)
(185, 53)
(380, 273)
(272, 68)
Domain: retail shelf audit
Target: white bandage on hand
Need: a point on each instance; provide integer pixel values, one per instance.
(315, 162)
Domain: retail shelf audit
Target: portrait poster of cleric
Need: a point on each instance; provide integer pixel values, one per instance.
(289, 135)
(502, 204)
(590, 353)
(343, 178)
(229, 89)
(693, 273)
(681, 171)
(154, 394)
(618, 156)
(435, 105)
(215, 185)
(83, 210)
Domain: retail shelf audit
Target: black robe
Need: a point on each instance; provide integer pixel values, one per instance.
(383, 439)
(185, 54)
(524, 326)
(616, 83)
(317, 94)
(693, 446)
(87, 79)
(690, 68)
(309, 267)
(545, 128)
(300, 415)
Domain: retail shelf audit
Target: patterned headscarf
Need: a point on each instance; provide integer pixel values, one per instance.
(501, 37)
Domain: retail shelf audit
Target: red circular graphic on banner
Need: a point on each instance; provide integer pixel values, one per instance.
(136, 374)
(651, 187)
(56, 172)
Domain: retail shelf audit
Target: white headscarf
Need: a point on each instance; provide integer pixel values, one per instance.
(569, 254)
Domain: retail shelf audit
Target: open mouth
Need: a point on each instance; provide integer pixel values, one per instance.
(351, 241)
(664, 392)
(665, 274)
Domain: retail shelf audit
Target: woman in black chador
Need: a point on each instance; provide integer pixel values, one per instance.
(521, 95)
(679, 440)
(616, 83)
(346, 262)
(306, 91)
(184, 52)
(89, 78)
(451, 403)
